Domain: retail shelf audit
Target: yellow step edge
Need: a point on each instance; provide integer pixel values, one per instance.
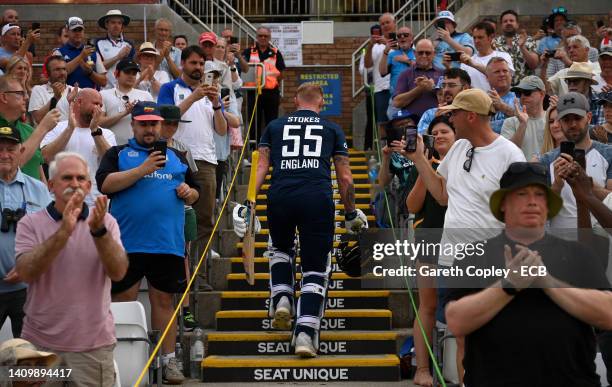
(336, 196)
(329, 313)
(265, 244)
(265, 231)
(335, 186)
(291, 361)
(364, 206)
(330, 294)
(285, 336)
(266, 276)
(337, 218)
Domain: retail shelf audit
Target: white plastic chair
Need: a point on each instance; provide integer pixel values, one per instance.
(6, 332)
(133, 343)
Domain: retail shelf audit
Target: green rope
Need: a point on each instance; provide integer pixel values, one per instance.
(410, 293)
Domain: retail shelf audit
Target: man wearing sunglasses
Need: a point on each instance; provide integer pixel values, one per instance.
(526, 128)
(552, 293)
(397, 56)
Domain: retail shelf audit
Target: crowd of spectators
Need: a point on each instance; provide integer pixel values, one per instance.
(503, 108)
(108, 119)
(149, 128)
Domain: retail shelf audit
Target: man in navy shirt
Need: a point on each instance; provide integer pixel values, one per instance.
(149, 191)
(82, 64)
(299, 147)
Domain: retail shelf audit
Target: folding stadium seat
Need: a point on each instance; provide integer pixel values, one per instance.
(133, 343)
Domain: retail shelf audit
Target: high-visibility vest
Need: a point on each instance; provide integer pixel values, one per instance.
(272, 73)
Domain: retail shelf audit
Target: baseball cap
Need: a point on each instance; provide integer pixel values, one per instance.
(127, 64)
(11, 351)
(446, 15)
(471, 100)
(10, 133)
(211, 67)
(530, 82)
(146, 111)
(208, 37)
(519, 175)
(573, 103)
(75, 22)
(148, 48)
(171, 113)
(607, 50)
(403, 114)
(7, 27)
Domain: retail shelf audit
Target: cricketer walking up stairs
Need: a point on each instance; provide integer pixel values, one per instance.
(358, 342)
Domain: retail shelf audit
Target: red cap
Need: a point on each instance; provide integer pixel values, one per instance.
(208, 37)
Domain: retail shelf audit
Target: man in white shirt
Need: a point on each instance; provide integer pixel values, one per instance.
(150, 78)
(472, 168)
(120, 100)
(82, 134)
(46, 97)
(113, 47)
(526, 128)
(373, 56)
(483, 35)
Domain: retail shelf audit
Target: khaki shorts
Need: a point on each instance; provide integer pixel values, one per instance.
(92, 368)
(191, 225)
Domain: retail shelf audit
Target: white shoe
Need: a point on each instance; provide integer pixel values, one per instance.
(214, 254)
(246, 162)
(282, 315)
(304, 347)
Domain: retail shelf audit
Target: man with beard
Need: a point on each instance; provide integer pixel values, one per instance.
(455, 81)
(81, 134)
(152, 230)
(119, 101)
(522, 48)
(46, 97)
(574, 115)
(68, 255)
(201, 105)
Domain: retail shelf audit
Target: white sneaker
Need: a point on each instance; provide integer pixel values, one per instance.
(304, 347)
(172, 374)
(282, 315)
(246, 162)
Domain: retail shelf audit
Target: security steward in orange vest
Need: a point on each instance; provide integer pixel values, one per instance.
(269, 100)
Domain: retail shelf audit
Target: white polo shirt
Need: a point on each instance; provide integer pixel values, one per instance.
(160, 76)
(108, 48)
(82, 143)
(114, 104)
(42, 94)
(197, 134)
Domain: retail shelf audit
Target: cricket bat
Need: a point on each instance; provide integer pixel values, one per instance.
(248, 242)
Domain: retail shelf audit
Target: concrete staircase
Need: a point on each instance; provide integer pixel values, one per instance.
(361, 330)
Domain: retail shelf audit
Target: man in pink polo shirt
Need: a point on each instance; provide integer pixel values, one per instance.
(68, 255)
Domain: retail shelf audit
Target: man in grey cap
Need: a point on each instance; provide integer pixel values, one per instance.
(526, 128)
(574, 115)
(605, 77)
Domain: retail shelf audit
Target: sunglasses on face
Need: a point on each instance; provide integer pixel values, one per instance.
(424, 53)
(559, 10)
(404, 35)
(263, 36)
(525, 93)
(19, 93)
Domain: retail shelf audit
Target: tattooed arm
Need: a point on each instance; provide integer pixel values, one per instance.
(345, 182)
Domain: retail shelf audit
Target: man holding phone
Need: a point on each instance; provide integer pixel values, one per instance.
(152, 230)
(574, 115)
(449, 40)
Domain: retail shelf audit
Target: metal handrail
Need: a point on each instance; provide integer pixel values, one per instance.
(425, 15)
(192, 15)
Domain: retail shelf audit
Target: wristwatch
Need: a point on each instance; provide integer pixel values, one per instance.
(216, 108)
(97, 132)
(99, 233)
(509, 288)
(233, 68)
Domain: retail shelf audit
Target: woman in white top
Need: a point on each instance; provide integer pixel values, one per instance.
(150, 78)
